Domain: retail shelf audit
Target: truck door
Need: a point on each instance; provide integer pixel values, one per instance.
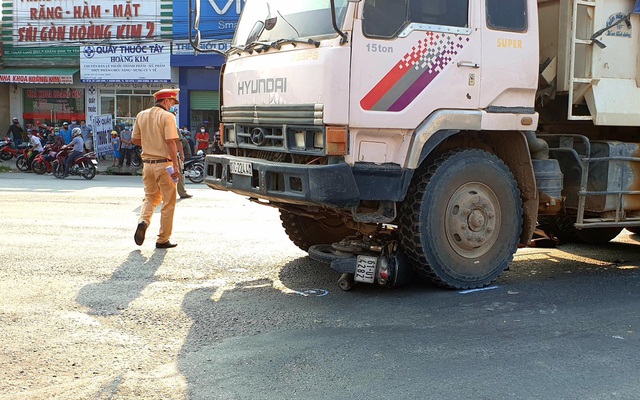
(412, 57)
(509, 55)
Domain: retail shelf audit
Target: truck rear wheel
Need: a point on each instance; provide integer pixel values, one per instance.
(461, 220)
(305, 232)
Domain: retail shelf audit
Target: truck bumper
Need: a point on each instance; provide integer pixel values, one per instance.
(323, 185)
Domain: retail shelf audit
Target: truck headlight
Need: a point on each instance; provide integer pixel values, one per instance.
(300, 139)
(230, 134)
(318, 140)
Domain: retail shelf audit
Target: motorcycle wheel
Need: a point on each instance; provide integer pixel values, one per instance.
(39, 167)
(89, 171)
(6, 156)
(199, 168)
(21, 163)
(136, 159)
(58, 169)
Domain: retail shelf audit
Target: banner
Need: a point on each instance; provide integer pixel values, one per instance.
(218, 21)
(65, 22)
(137, 63)
(102, 127)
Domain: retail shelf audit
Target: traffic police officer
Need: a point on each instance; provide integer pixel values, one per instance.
(155, 131)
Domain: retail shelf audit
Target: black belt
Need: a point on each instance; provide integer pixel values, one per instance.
(154, 161)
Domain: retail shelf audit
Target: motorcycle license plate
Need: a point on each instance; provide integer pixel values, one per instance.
(365, 269)
(94, 162)
(241, 168)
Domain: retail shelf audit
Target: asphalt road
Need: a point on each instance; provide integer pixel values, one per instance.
(238, 312)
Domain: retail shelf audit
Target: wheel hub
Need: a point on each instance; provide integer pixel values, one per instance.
(471, 220)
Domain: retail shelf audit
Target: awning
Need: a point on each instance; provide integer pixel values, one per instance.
(57, 76)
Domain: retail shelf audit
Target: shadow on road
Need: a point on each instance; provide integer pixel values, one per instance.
(303, 297)
(297, 335)
(124, 286)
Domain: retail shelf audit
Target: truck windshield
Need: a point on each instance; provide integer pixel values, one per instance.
(271, 20)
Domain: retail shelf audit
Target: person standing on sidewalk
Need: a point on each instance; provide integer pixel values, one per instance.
(202, 139)
(15, 132)
(155, 131)
(65, 132)
(126, 146)
(87, 136)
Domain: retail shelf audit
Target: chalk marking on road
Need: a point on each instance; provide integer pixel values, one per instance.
(477, 290)
(618, 337)
(311, 292)
(278, 285)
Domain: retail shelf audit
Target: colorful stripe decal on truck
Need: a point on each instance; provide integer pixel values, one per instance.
(411, 75)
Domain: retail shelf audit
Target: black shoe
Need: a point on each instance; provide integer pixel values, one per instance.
(140, 231)
(166, 245)
(186, 196)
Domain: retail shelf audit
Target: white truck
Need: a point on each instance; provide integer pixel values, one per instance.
(433, 135)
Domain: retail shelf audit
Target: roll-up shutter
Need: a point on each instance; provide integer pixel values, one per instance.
(204, 100)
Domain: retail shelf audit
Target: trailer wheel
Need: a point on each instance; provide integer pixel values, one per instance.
(563, 227)
(305, 232)
(461, 220)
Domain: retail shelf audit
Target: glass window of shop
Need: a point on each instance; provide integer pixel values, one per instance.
(53, 106)
(124, 105)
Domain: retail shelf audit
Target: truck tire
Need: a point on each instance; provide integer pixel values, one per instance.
(562, 226)
(461, 221)
(305, 232)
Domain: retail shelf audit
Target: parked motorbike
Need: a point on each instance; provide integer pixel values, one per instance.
(21, 160)
(194, 168)
(84, 166)
(8, 151)
(43, 163)
(136, 156)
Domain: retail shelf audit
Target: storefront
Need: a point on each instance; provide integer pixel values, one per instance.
(108, 59)
(199, 79)
(199, 95)
(50, 95)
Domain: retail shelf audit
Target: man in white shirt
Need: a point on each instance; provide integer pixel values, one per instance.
(36, 147)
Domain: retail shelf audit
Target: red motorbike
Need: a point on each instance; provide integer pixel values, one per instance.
(7, 151)
(84, 166)
(43, 163)
(21, 159)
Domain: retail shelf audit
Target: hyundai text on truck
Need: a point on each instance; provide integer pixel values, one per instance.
(432, 136)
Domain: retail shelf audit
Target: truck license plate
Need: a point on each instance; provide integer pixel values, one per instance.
(241, 168)
(365, 269)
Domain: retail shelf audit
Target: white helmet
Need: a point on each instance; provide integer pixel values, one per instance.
(76, 132)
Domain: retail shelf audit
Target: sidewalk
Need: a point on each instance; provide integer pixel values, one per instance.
(106, 167)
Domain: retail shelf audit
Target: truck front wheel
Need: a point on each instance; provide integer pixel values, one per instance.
(305, 232)
(461, 220)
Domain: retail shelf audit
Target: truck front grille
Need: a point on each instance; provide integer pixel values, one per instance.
(295, 129)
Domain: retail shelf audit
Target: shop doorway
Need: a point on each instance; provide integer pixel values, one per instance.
(204, 110)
